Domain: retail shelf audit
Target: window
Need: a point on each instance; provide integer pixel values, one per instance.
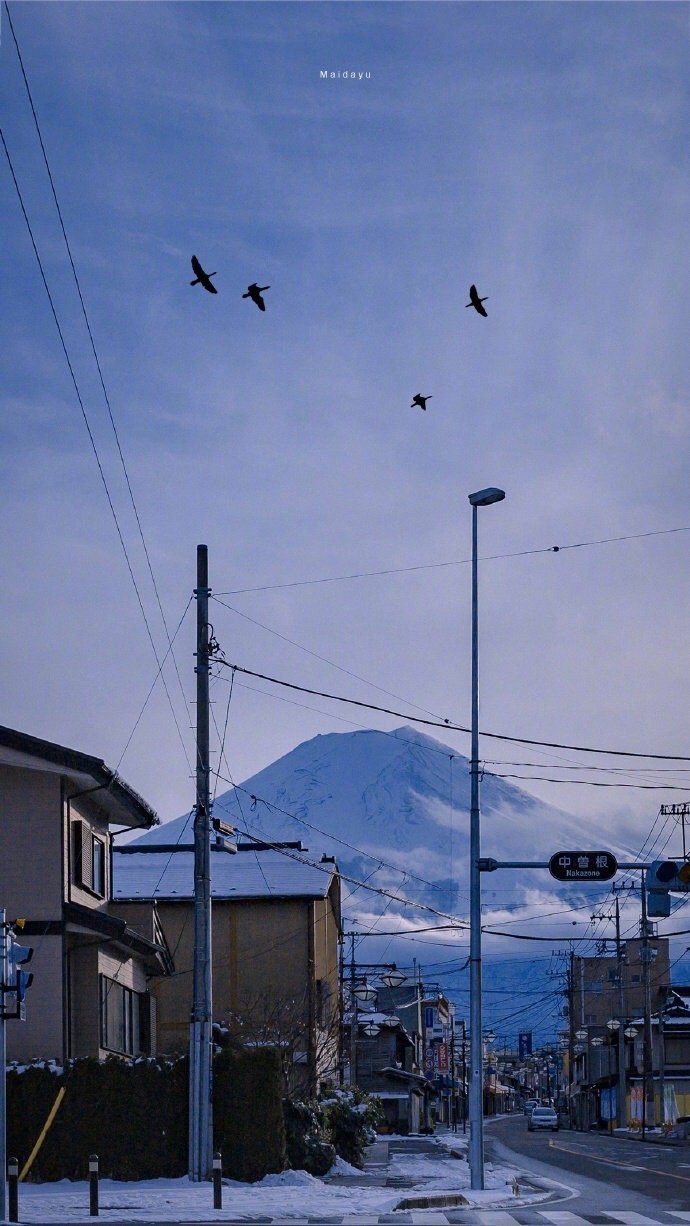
(88, 859)
(120, 1026)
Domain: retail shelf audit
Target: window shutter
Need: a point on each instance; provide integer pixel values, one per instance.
(78, 853)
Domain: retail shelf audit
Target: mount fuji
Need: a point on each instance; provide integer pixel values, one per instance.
(393, 808)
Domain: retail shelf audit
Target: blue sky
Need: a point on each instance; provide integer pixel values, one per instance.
(538, 150)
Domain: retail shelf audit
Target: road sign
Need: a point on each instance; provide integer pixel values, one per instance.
(583, 865)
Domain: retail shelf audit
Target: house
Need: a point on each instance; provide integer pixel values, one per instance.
(276, 928)
(92, 973)
(384, 1064)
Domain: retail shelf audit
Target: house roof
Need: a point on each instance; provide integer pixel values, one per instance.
(264, 874)
(119, 803)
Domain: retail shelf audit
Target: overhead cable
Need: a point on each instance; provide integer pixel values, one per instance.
(492, 557)
(449, 726)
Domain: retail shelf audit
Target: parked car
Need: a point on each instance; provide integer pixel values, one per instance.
(543, 1117)
(529, 1105)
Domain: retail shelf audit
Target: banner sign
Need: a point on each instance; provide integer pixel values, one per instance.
(524, 1044)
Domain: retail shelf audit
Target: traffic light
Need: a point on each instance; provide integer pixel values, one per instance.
(18, 980)
(665, 877)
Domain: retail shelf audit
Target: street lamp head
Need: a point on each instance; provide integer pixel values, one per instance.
(363, 992)
(393, 978)
(613, 1023)
(581, 1034)
(483, 498)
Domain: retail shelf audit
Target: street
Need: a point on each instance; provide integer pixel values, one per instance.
(601, 1175)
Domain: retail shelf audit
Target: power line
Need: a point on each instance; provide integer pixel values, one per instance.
(93, 348)
(493, 557)
(324, 660)
(452, 727)
(591, 783)
(327, 834)
(91, 437)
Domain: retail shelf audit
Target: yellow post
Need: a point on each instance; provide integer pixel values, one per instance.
(44, 1132)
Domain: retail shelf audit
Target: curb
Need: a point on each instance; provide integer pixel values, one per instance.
(432, 1202)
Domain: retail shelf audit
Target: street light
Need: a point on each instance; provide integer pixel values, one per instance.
(393, 978)
(482, 498)
(363, 992)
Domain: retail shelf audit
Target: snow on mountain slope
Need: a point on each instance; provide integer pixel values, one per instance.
(403, 798)
(399, 797)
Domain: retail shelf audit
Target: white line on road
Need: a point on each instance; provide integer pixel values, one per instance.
(560, 1217)
(632, 1219)
(495, 1217)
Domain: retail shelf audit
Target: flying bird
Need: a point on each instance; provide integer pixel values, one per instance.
(201, 277)
(476, 301)
(254, 292)
(419, 401)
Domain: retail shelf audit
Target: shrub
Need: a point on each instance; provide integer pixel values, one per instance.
(351, 1118)
(308, 1147)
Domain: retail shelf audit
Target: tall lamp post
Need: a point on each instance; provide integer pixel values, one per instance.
(482, 498)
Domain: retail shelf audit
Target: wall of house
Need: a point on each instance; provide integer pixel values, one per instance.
(261, 951)
(41, 1035)
(30, 844)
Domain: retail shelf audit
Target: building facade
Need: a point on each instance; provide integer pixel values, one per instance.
(92, 974)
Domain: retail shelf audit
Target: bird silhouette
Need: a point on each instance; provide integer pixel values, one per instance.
(419, 401)
(254, 292)
(201, 277)
(476, 301)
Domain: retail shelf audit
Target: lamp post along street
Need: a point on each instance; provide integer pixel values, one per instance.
(476, 1106)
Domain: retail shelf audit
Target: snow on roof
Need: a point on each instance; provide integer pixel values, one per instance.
(262, 874)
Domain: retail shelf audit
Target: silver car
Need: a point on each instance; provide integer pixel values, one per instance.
(543, 1117)
(529, 1105)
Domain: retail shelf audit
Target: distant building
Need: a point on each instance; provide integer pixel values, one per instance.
(595, 982)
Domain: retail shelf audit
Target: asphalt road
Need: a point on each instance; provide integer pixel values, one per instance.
(599, 1173)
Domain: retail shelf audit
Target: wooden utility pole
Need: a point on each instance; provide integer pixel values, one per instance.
(200, 1035)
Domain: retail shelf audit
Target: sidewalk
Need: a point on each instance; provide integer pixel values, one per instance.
(400, 1175)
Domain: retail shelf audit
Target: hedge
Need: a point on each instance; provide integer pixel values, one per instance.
(134, 1116)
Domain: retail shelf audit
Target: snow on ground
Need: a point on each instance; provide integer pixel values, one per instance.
(290, 1194)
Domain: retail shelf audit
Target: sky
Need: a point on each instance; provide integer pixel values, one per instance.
(536, 150)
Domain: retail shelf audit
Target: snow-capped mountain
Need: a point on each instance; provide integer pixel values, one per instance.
(395, 805)
(393, 808)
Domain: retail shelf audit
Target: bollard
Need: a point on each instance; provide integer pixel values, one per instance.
(93, 1185)
(13, 1182)
(217, 1181)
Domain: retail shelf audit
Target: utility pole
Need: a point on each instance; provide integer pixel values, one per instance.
(200, 1035)
(622, 1092)
(354, 1021)
(647, 1040)
(3, 1062)
(571, 1033)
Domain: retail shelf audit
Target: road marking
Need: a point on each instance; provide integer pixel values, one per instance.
(583, 1153)
(560, 1217)
(496, 1217)
(679, 1212)
(631, 1219)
